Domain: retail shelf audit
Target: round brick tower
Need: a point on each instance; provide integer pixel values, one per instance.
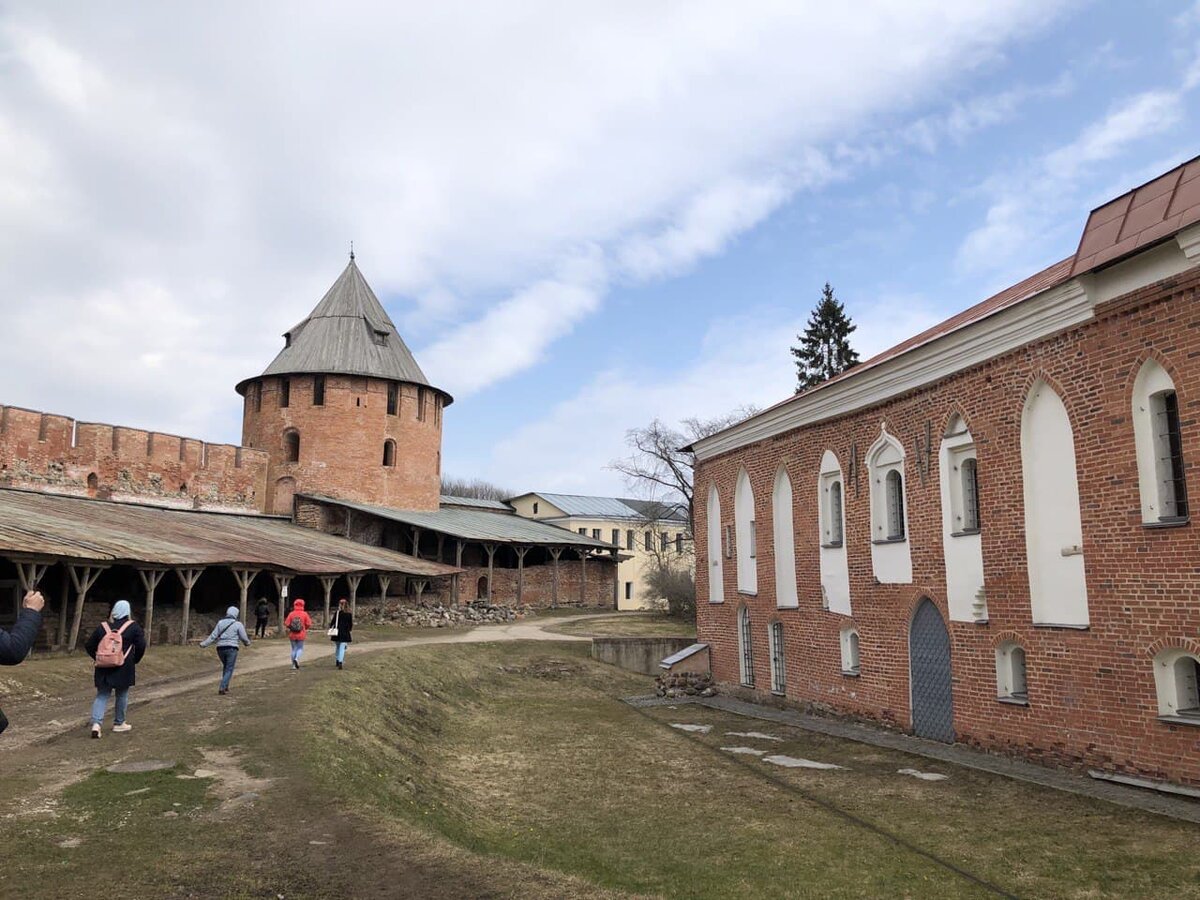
(345, 411)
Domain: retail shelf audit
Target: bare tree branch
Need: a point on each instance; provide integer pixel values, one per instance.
(475, 488)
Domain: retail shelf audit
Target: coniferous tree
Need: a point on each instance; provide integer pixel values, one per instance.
(824, 349)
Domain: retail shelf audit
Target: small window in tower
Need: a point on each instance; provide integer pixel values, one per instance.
(389, 453)
(420, 404)
(291, 446)
(393, 399)
(318, 390)
(381, 338)
(285, 393)
(258, 396)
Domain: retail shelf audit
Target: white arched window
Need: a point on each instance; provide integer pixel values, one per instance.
(716, 571)
(851, 663)
(1010, 673)
(1177, 681)
(890, 555)
(1053, 525)
(745, 648)
(784, 541)
(1158, 439)
(962, 520)
(835, 571)
(744, 531)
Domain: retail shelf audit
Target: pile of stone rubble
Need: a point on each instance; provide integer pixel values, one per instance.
(684, 684)
(435, 615)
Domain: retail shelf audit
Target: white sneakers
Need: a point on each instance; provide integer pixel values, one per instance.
(96, 731)
(124, 726)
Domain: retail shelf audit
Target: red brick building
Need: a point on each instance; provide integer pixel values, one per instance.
(984, 533)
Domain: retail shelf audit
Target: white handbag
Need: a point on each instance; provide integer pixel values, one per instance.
(333, 629)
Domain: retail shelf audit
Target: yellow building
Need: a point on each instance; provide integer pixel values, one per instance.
(647, 532)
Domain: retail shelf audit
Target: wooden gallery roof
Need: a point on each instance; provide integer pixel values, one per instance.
(100, 531)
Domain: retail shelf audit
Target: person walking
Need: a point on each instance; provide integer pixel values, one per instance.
(15, 644)
(340, 632)
(229, 635)
(296, 625)
(117, 649)
(262, 612)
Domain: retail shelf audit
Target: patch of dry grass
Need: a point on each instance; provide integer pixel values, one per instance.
(628, 625)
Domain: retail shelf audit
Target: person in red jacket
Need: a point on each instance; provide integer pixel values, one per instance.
(296, 625)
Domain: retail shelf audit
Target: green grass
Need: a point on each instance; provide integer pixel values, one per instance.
(522, 752)
(632, 624)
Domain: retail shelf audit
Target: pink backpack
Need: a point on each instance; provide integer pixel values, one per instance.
(111, 653)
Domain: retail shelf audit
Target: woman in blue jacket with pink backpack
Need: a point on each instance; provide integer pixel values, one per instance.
(117, 649)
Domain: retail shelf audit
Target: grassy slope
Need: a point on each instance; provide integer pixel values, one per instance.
(523, 752)
(628, 625)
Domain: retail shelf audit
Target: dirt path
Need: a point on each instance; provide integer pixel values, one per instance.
(50, 718)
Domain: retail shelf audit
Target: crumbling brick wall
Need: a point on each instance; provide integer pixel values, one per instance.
(59, 455)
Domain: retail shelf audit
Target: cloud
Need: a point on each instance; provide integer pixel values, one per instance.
(207, 165)
(741, 360)
(1026, 206)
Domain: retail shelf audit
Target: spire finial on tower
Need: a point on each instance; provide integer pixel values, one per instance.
(352, 251)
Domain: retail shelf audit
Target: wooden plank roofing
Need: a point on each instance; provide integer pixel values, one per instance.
(101, 531)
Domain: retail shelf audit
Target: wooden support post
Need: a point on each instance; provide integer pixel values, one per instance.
(556, 552)
(419, 585)
(416, 545)
(282, 580)
(327, 583)
(491, 553)
(521, 551)
(455, 587)
(354, 581)
(83, 577)
(616, 579)
(62, 609)
(583, 555)
(30, 574)
(385, 582)
(188, 578)
(244, 577)
(150, 579)
(441, 544)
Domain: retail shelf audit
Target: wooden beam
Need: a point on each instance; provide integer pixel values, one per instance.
(327, 583)
(282, 580)
(385, 581)
(354, 581)
(416, 542)
(583, 555)
(188, 578)
(455, 587)
(556, 552)
(83, 577)
(30, 573)
(62, 609)
(521, 551)
(150, 579)
(244, 578)
(491, 553)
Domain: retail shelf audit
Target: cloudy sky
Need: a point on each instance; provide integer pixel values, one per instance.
(580, 216)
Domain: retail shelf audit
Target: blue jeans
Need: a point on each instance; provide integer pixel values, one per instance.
(100, 705)
(228, 656)
(340, 651)
(297, 650)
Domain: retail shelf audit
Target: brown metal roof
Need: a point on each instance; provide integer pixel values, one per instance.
(1144, 216)
(77, 528)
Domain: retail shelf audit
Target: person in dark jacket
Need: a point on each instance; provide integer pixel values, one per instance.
(15, 644)
(343, 621)
(262, 612)
(120, 678)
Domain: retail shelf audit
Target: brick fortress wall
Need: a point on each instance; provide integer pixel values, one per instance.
(1092, 698)
(342, 441)
(59, 455)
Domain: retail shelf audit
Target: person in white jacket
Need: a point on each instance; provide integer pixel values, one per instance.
(229, 636)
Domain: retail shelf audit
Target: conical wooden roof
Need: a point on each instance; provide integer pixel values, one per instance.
(348, 333)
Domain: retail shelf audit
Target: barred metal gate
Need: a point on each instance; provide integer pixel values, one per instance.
(929, 674)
